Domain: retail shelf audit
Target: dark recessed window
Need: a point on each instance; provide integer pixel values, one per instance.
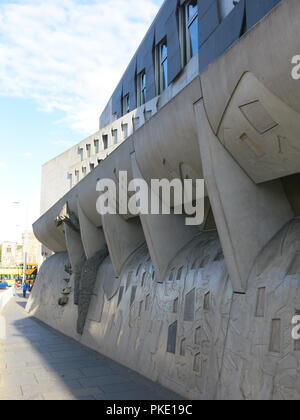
(105, 141)
(162, 66)
(141, 88)
(97, 147)
(126, 104)
(192, 34)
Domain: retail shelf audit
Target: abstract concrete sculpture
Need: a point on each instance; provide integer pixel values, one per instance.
(206, 310)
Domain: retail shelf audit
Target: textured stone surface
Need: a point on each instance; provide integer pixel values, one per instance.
(87, 285)
(137, 335)
(237, 346)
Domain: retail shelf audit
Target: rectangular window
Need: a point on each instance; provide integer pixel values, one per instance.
(141, 88)
(162, 66)
(126, 104)
(115, 136)
(88, 150)
(96, 143)
(80, 152)
(189, 30)
(70, 177)
(125, 131)
(192, 34)
(105, 141)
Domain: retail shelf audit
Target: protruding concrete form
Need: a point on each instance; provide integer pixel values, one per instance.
(123, 238)
(165, 234)
(247, 215)
(92, 237)
(77, 258)
(87, 285)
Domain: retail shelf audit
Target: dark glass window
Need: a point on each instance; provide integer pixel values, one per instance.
(142, 88)
(192, 34)
(164, 82)
(126, 104)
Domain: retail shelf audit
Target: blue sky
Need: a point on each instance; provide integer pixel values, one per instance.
(59, 63)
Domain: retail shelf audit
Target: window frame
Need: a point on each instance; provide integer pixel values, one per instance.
(162, 83)
(141, 82)
(126, 104)
(188, 24)
(185, 24)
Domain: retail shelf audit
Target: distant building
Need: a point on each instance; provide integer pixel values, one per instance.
(14, 254)
(11, 252)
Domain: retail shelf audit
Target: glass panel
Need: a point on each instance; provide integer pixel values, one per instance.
(144, 81)
(142, 88)
(192, 9)
(164, 51)
(126, 104)
(165, 82)
(194, 37)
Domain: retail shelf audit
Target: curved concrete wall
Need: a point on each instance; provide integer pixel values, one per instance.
(173, 332)
(191, 333)
(206, 313)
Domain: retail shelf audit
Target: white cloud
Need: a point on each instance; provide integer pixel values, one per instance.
(68, 55)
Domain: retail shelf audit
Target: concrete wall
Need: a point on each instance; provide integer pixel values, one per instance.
(204, 310)
(5, 298)
(191, 333)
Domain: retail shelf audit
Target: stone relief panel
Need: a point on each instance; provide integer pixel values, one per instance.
(172, 332)
(191, 333)
(261, 360)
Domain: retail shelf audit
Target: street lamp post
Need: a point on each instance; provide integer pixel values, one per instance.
(18, 203)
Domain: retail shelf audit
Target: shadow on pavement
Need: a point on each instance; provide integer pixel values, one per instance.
(46, 364)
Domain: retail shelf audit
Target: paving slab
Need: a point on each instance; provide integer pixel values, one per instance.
(38, 363)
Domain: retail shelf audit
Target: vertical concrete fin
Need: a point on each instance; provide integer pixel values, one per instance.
(87, 285)
(76, 256)
(92, 238)
(165, 235)
(123, 238)
(247, 215)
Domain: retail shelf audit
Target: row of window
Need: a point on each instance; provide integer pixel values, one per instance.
(188, 20)
(188, 23)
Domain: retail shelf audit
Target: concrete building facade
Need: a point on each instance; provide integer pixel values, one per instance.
(204, 310)
(13, 254)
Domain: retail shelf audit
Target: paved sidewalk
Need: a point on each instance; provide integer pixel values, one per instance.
(38, 363)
